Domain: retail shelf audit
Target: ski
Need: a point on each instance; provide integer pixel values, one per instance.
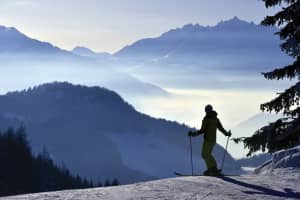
(181, 174)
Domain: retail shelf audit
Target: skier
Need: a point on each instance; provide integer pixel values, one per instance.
(210, 124)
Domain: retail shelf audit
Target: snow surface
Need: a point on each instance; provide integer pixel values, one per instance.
(279, 179)
(287, 158)
(280, 184)
(281, 159)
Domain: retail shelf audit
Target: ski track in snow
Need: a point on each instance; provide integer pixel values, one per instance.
(281, 184)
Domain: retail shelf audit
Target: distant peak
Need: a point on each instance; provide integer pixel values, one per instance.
(235, 18)
(84, 51)
(232, 24)
(9, 29)
(81, 48)
(186, 29)
(191, 26)
(235, 21)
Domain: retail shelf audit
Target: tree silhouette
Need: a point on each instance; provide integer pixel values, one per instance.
(22, 172)
(99, 184)
(285, 132)
(107, 183)
(115, 182)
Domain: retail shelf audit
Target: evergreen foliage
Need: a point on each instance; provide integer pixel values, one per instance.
(285, 132)
(99, 184)
(107, 183)
(22, 172)
(115, 182)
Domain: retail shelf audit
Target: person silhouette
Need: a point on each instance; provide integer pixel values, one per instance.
(210, 124)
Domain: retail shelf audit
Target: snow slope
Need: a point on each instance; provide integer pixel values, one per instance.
(289, 158)
(282, 184)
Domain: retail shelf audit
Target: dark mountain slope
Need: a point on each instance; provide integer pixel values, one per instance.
(98, 135)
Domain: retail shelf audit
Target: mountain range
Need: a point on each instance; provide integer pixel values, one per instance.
(192, 44)
(46, 63)
(228, 42)
(230, 54)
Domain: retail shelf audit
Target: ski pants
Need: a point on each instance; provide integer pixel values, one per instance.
(207, 156)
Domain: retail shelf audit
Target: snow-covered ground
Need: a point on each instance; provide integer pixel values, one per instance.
(277, 179)
(280, 184)
(289, 158)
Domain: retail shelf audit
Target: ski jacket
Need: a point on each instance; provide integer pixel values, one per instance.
(210, 124)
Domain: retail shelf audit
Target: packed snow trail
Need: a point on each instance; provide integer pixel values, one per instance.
(281, 184)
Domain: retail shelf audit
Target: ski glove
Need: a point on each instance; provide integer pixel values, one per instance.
(194, 133)
(191, 133)
(228, 133)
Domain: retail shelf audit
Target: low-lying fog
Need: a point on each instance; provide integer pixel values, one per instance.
(184, 104)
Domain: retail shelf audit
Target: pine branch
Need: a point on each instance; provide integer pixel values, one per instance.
(288, 14)
(278, 135)
(289, 71)
(290, 32)
(294, 113)
(292, 129)
(284, 101)
(272, 3)
(292, 46)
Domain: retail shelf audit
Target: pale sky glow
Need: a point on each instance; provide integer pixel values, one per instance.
(108, 25)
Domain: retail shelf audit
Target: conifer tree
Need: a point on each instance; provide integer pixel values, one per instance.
(285, 132)
(107, 183)
(115, 182)
(99, 184)
(23, 172)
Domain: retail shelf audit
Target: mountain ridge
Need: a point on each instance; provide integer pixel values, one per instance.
(87, 52)
(232, 25)
(14, 41)
(194, 42)
(99, 135)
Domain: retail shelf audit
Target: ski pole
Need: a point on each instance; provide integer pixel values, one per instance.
(191, 150)
(225, 151)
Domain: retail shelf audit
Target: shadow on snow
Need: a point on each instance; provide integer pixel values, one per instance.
(288, 193)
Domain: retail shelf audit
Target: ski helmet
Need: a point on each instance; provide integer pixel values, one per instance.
(208, 108)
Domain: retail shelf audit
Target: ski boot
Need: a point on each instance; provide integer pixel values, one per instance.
(213, 172)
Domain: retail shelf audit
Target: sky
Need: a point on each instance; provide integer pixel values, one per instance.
(109, 25)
